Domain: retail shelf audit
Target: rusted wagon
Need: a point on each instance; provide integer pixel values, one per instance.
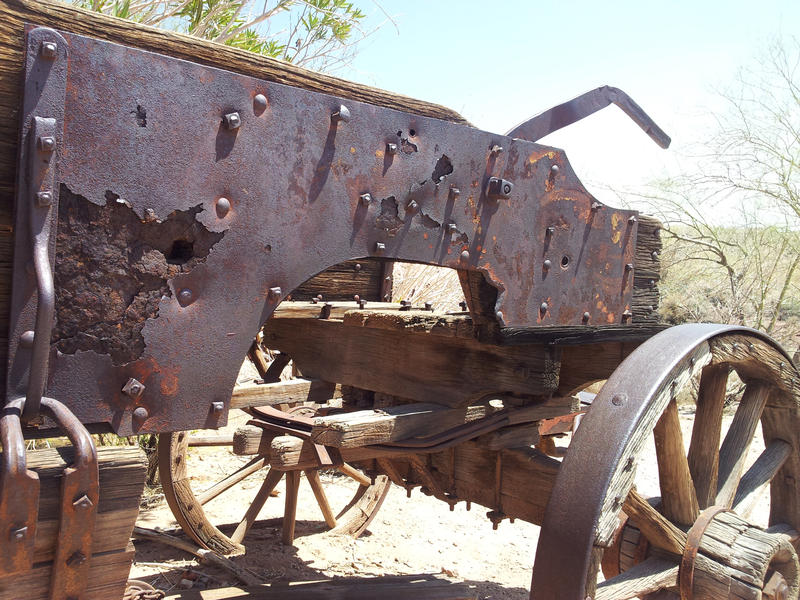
(176, 201)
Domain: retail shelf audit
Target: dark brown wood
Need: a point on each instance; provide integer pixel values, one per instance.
(341, 282)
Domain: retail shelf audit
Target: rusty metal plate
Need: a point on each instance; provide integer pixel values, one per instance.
(193, 200)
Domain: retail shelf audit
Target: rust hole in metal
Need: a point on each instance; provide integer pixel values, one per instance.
(429, 222)
(564, 261)
(141, 115)
(388, 218)
(113, 268)
(443, 168)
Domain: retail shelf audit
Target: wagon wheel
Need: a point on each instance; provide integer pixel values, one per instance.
(187, 504)
(705, 490)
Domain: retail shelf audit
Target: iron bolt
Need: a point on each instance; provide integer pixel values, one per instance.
(365, 198)
(325, 311)
(380, 247)
(543, 308)
(232, 120)
(654, 255)
(223, 207)
(362, 303)
(499, 188)
(550, 231)
(26, 339)
(78, 558)
(429, 306)
(185, 296)
(140, 414)
(83, 502)
(412, 207)
(628, 267)
(618, 399)
(463, 305)
(18, 534)
(626, 316)
(314, 301)
(454, 192)
(357, 266)
(47, 143)
(465, 256)
(596, 206)
(632, 219)
(496, 149)
(547, 264)
(391, 148)
(554, 169)
(49, 50)
(452, 228)
(259, 103)
(275, 293)
(44, 198)
(133, 388)
(586, 316)
(342, 114)
(357, 298)
(217, 406)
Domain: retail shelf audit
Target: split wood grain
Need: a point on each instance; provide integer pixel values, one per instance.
(283, 392)
(678, 497)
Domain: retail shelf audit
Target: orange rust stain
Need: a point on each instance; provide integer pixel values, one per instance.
(425, 236)
(169, 383)
(352, 150)
(615, 221)
(494, 238)
(430, 246)
(611, 318)
(478, 247)
(378, 153)
(615, 237)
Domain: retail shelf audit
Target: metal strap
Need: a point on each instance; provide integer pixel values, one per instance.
(693, 539)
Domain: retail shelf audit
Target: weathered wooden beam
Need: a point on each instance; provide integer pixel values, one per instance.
(283, 392)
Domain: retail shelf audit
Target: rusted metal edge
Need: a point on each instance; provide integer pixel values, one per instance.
(693, 539)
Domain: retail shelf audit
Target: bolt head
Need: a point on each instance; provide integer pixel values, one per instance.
(140, 414)
(217, 407)
(133, 388)
(84, 502)
(496, 149)
(365, 199)
(362, 303)
(185, 296)
(596, 206)
(429, 306)
(544, 307)
(618, 399)
(465, 256)
(554, 169)
(223, 207)
(391, 148)
(48, 50)
(455, 192)
(628, 267)
(586, 316)
(380, 247)
(275, 293)
(19, 533)
(632, 219)
(26, 339)
(452, 228)
(47, 143)
(44, 198)
(412, 207)
(550, 230)
(232, 120)
(259, 103)
(341, 114)
(357, 266)
(547, 264)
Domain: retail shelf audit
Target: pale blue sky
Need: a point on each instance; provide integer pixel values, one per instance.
(498, 63)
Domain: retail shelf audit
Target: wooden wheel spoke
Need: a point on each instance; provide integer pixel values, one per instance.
(272, 479)
(703, 455)
(658, 530)
(258, 463)
(290, 513)
(760, 474)
(734, 448)
(646, 577)
(322, 499)
(354, 474)
(679, 500)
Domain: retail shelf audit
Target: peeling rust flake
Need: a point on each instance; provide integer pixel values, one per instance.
(112, 270)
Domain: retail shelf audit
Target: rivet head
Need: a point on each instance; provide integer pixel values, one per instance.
(463, 305)
(259, 103)
(357, 266)
(380, 247)
(618, 399)
(496, 149)
(223, 207)
(232, 120)
(654, 254)
(341, 114)
(19, 534)
(275, 293)
(547, 264)
(46, 143)
(628, 267)
(596, 206)
(26, 339)
(452, 228)
(185, 296)
(465, 256)
(554, 169)
(217, 407)
(412, 206)
(543, 307)
(365, 199)
(455, 192)
(44, 198)
(550, 231)
(140, 414)
(586, 316)
(391, 148)
(48, 50)
(84, 502)
(429, 306)
(632, 219)
(133, 388)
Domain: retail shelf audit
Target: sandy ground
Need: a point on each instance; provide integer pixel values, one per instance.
(408, 536)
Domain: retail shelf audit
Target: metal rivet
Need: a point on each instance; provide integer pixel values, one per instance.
(83, 502)
(44, 198)
(365, 199)
(46, 143)
(452, 228)
(547, 264)
(223, 207)
(496, 149)
(618, 399)
(586, 316)
(342, 114)
(626, 315)
(185, 296)
(140, 414)
(391, 148)
(596, 206)
(628, 267)
(654, 255)
(259, 103)
(380, 247)
(357, 298)
(454, 192)
(325, 311)
(232, 120)
(543, 307)
(275, 293)
(554, 169)
(133, 388)
(632, 219)
(217, 406)
(498, 189)
(550, 231)
(429, 306)
(362, 303)
(26, 339)
(78, 558)
(20, 533)
(48, 50)
(499, 316)
(463, 305)
(465, 256)
(412, 206)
